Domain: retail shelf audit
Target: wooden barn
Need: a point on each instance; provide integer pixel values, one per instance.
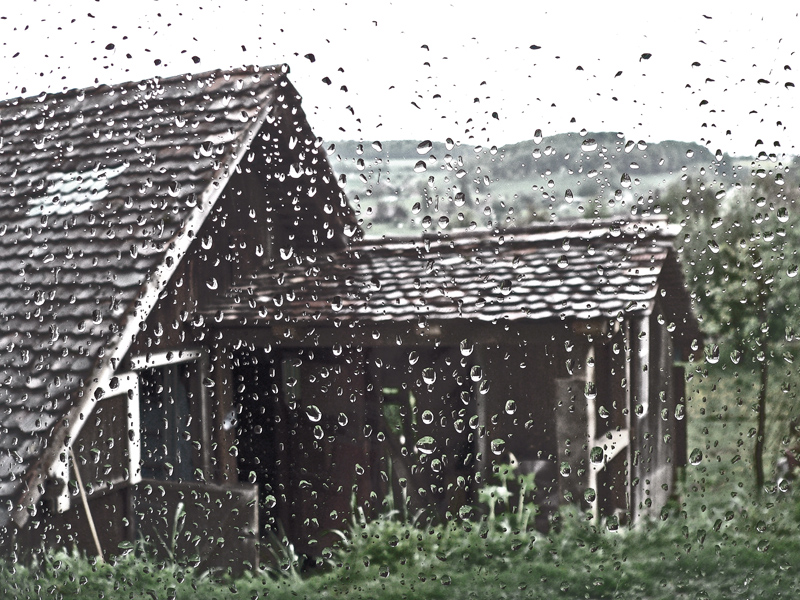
(408, 369)
(124, 212)
(193, 326)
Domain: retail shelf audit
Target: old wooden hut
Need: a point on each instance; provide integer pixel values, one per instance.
(408, 369)
(124, 212)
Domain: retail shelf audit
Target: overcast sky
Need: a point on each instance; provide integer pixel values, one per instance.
(479, 72)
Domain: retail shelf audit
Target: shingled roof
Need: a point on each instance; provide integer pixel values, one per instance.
(101, 193)
(581, 270)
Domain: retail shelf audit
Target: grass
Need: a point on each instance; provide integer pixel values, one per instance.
(737, 551)
(717, 541)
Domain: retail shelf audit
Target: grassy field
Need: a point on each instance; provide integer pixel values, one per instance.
(718, 539)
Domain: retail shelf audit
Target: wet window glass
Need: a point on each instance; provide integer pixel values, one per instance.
(353, 300)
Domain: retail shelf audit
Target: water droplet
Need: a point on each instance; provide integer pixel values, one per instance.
(590, 390)
(596, 455)
(603, 412)
(342, 420)
(511, 407)
(713, 246)
(420, 167)
(792, 271)
(436, 465)
(413, 357)
(212, 284)
(426, 445)
(429, 375)
(565, 469)
(270, 501)
(783, 214)
(562, 263)
(424, 147)
(680, 412)
(337, 349)
(498, 446)
(712, 354)
(736, 356)
(696, 456)
(466, 348)
(443, 222)
(377, 146)
(336, 303)
(568, 197)
(313, 413)
(589, 145)
(537, 136)
(589, 495)
(625, 181)
(476, 373)
(427, 417)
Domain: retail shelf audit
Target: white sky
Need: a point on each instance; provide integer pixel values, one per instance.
(399, 89)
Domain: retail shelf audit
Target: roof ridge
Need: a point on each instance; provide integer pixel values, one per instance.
(282, 69)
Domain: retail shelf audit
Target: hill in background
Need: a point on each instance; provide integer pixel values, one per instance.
(409, 186)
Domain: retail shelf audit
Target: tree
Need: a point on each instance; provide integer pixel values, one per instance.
(743, 271)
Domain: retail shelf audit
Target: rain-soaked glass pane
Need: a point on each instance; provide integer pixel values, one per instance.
(420, 300)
